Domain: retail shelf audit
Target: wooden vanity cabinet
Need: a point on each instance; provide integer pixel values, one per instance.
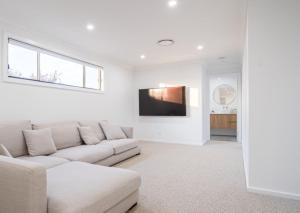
(223, 121)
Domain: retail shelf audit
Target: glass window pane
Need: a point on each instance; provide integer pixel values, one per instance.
(92, 77)
(22, 62)
(61, 71)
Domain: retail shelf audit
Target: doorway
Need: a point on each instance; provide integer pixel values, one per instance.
(224, 106)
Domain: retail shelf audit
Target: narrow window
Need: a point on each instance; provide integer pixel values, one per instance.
(29, 62)
(92, 77)
(22, 62)
(60, 71)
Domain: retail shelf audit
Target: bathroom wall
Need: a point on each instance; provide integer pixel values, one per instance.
(216, 80)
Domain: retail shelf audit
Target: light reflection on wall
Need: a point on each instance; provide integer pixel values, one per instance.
(194, 97)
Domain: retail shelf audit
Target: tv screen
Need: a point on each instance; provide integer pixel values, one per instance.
(168, 101)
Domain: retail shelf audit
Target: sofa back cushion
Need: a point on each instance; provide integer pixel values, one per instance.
(11, 136)
(65, 134)
(94, 125)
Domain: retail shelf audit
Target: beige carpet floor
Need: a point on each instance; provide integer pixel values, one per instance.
(198, 179)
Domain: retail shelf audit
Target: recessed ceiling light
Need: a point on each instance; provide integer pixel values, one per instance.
(172, 3)
(166, 42)
(142, 57)
(90, 27)
(200, 47)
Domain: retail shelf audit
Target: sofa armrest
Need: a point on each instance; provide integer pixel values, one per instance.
(23, 186)
(128, 131)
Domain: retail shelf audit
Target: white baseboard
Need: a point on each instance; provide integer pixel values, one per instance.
(195, 143)
(273, 193)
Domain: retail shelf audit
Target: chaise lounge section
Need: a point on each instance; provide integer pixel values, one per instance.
(73, 179)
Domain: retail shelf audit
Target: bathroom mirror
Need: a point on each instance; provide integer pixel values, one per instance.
(224, 94)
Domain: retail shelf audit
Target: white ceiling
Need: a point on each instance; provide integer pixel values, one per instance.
(126, 29)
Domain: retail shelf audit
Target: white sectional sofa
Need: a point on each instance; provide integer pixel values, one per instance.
(74, 179)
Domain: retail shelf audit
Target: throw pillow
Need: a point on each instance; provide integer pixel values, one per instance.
(88, 135)
(4, 151)
(112, 132)
(39, 142)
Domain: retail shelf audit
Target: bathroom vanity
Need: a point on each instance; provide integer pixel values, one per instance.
(223, 121)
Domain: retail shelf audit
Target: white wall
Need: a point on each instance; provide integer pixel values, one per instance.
(273, 66)
(187, 130)
(245, 109)
(50, 104)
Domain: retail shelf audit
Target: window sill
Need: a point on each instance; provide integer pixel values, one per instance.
(49, 85)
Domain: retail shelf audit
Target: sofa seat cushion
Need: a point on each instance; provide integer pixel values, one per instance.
(46, 161)
(86, 153)
(80, 187)
(121, 145)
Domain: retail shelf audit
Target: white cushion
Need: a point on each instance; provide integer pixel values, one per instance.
(11, 136)
(121, 145)
(46, 161)
(88, 135)
(65, 134)
(86, 153)
(79, 187)
(119, 157)
(112, 131)
(4, 151)
(95, 125)
(39, 142)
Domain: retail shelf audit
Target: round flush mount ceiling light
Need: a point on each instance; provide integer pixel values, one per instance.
(165, 42)
(200, 47)
(142, 57)
(90, 27)
(172, 3)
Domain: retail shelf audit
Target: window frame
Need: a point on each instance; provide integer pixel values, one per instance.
(37, 82)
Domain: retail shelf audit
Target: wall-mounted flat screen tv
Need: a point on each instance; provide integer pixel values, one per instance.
(167, 101)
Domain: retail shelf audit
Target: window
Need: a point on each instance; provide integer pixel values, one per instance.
(60, 71)
(92, 77)
(33, 63)
(22, 62)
